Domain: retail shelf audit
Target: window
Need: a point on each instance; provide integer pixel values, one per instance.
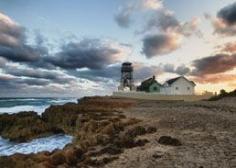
(177, 88)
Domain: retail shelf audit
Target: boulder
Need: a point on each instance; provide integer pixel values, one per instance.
(167, 140)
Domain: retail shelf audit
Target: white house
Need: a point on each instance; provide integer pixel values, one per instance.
(178, 86)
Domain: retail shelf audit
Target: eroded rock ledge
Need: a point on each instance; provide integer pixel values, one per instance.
(101, 132)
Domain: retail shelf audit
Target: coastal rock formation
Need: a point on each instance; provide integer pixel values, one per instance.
(112, 133)
(101, 132)
(25, 126)
(167, 140)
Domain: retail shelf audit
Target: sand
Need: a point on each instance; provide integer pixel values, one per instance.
(207, 131)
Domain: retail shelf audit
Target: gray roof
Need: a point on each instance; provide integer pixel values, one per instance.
(173, 80)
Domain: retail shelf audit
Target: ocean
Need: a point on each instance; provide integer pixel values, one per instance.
(15, 105)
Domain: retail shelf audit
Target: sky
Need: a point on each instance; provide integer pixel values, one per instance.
(75, 48)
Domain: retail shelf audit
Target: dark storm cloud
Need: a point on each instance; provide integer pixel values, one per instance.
(160, 44)
(30, 73)
(180, 70)
(31, 66)
(16, 82)
(142, 71)
(54, 77)
(214, 64)
(6, 82)
(225, 22)
(23, 53)
(228, 14)
(33, 82)
(88, 53)
(13, 42)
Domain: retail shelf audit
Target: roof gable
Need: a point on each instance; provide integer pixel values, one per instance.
(171, 81)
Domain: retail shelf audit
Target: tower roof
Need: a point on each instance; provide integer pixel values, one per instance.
(127, 67)
(127, 63)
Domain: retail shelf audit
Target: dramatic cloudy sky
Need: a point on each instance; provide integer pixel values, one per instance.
(76, 47)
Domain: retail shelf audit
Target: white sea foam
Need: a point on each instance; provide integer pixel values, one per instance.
(38, 145)
(62, 101)
(37, 108)
(18, 99)
(16, 109)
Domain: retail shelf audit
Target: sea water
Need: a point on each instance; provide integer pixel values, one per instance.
(51, 143)
(15, 105)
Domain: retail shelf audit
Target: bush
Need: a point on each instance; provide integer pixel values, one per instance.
(223, 94)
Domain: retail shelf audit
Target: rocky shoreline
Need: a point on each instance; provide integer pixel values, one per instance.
(113, 132)
(97, 124)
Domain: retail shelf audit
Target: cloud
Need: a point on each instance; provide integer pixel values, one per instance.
(20, 54)
(11, 34)
(228, 14)
(89, 53)
(222, 28)
(16, 82)
(180, 70)
(162, 32)
(215, 78)
(160, 44)
(31, 68)
(51, 75)
(228, 47)
(214, 64)
(232, 84)
(166, 33)
(124, 15)
(152, 4)
(225, 22)
(163, 20)
(2, 62)
(13, 44)
(191, 27)
(33, 82)
(141, 71)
